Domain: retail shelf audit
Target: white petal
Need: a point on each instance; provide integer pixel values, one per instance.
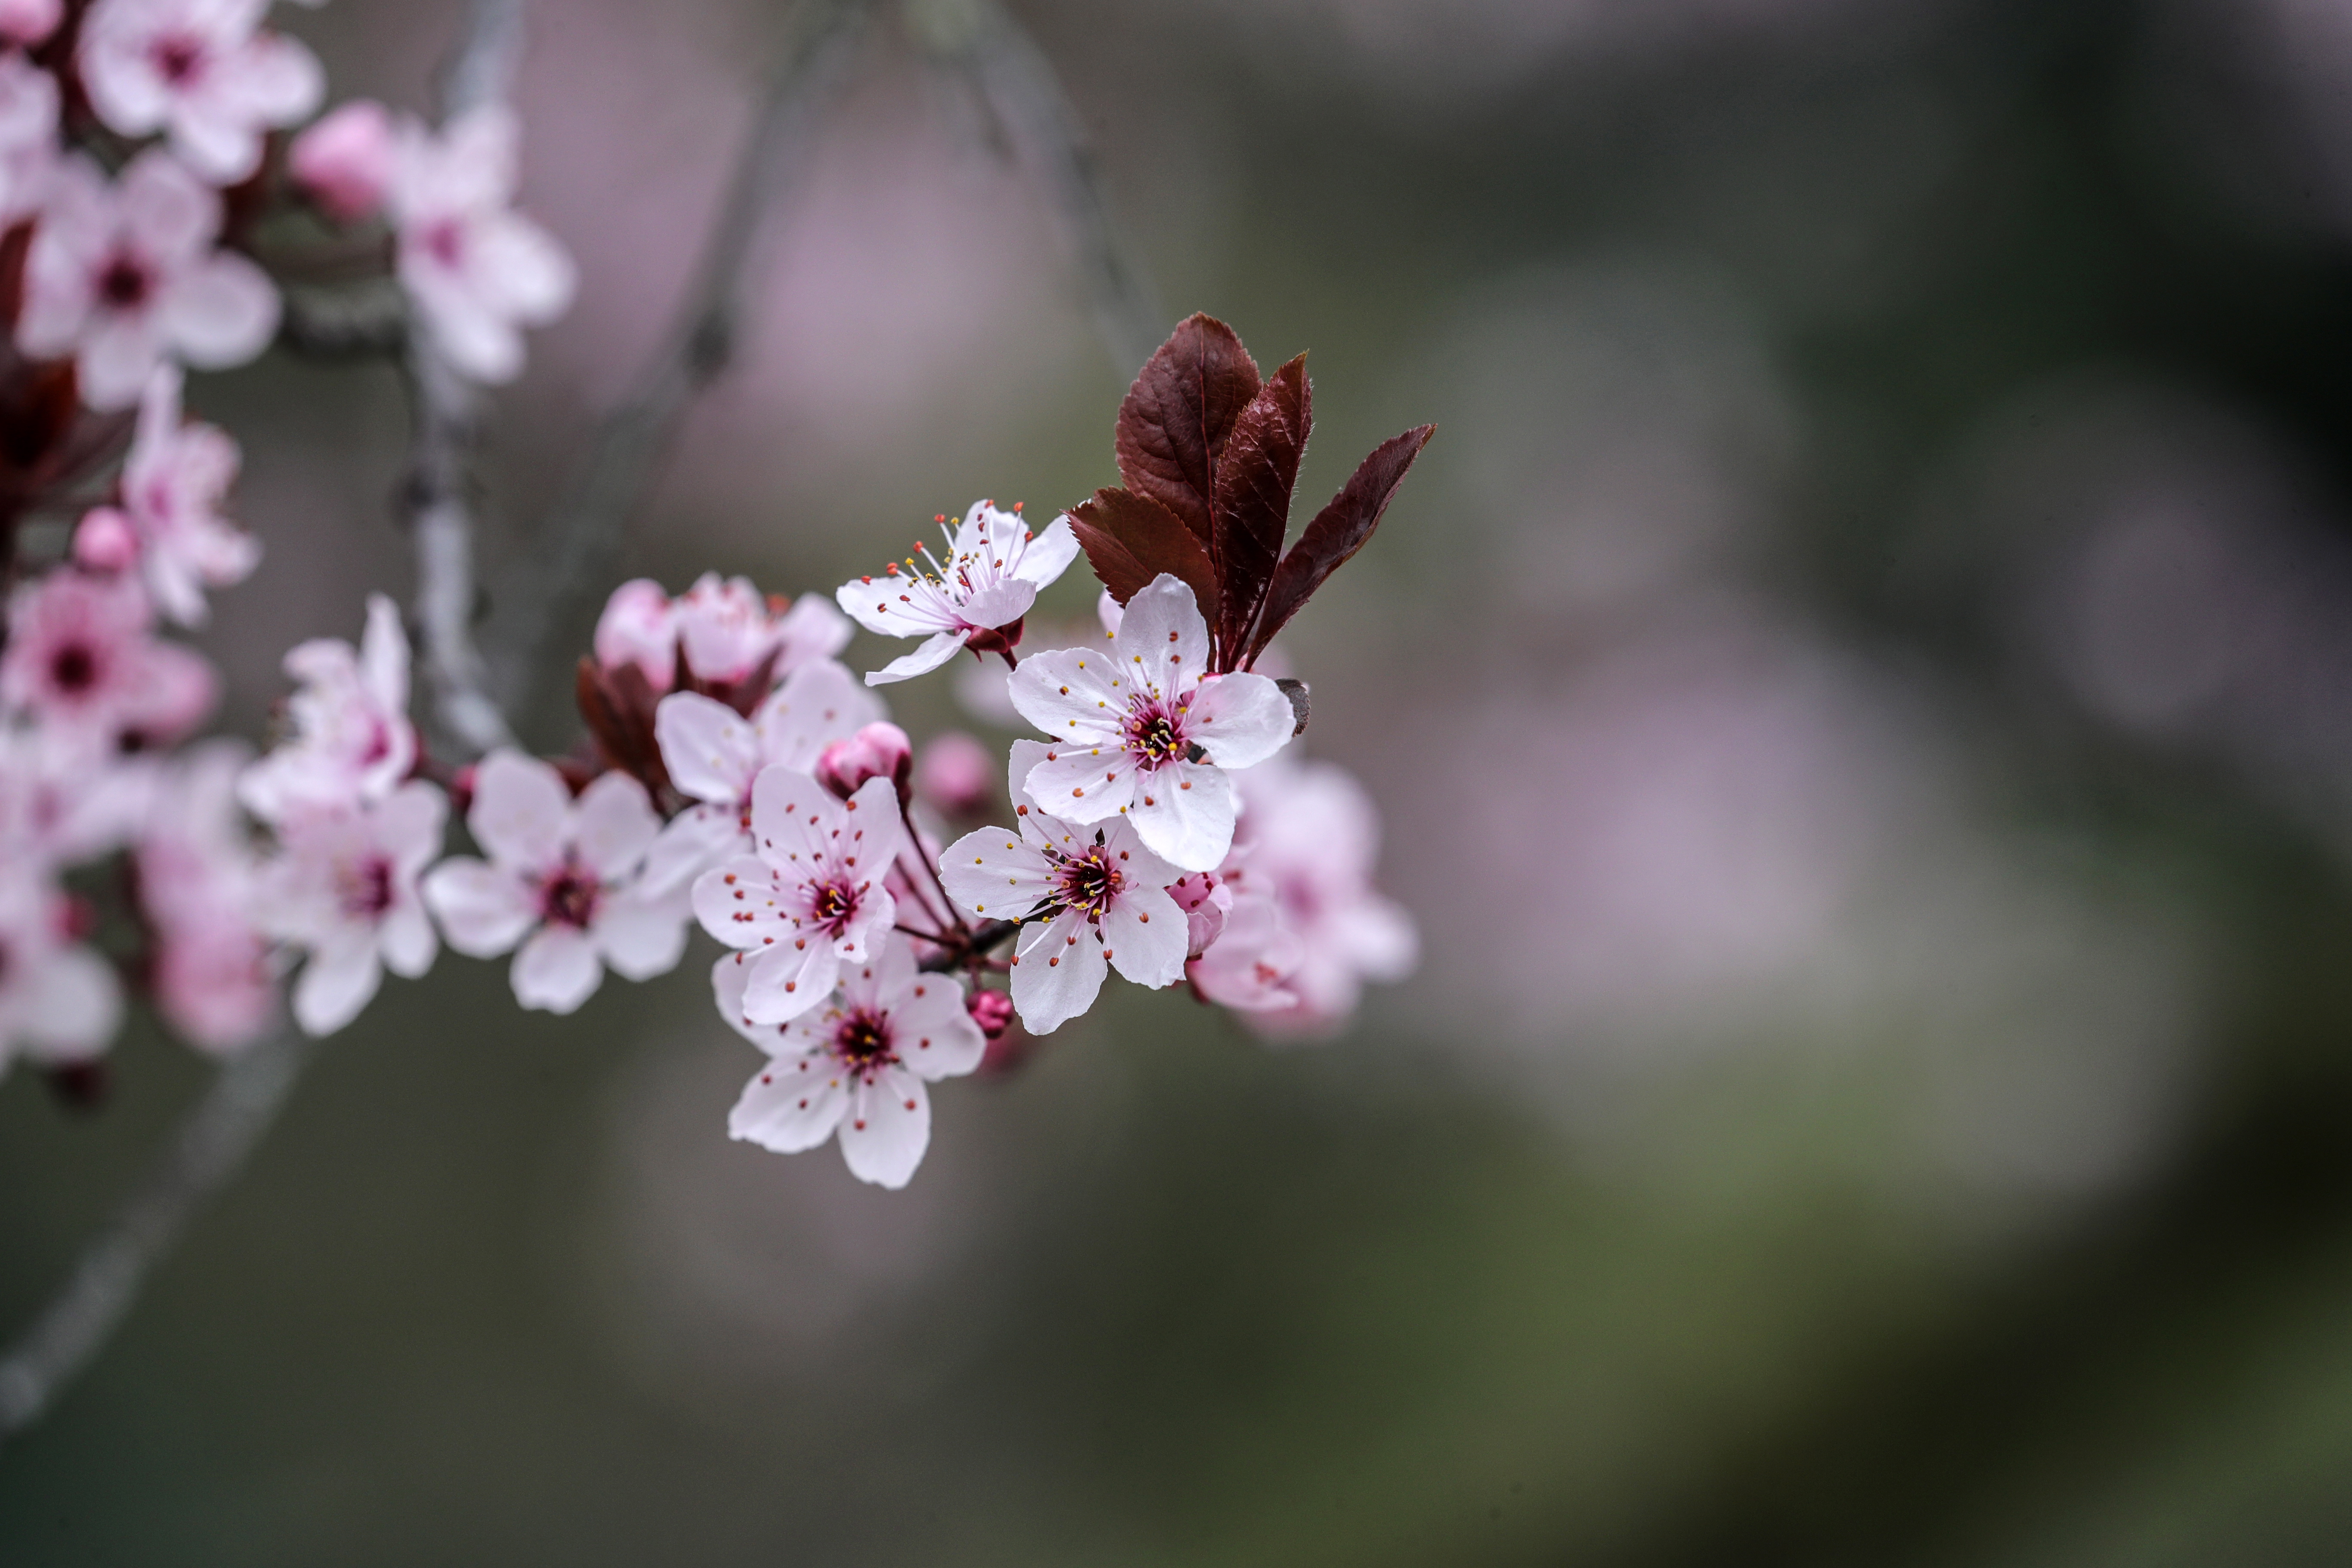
(337, 983)
(788, 981)
(999, 604)
(612, 826)
(523, 268)
(888, 1129)
(383, 656)
(1070, 693)
(1082, 783)
(1146, 937)
(993, 874)
(931, 1030)
(557, 968)
(791, 1104)
(72, 1004)
(816, 705)
(1240, 720)
(743, 902)
(483, 910)
(220, 313)
(641, 938)
(119, 352)
(1049, 554)
(712, 751)
(934, 652)
(729, 978)
(520, 811)
(1184, 814)
(1054, 979)
(796, 821)
(406, 938)
(408, 823)
(695, 840)
(1162, 642)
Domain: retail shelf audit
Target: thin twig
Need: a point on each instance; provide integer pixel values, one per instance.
(212, 1144)
(1018, 83)
(578, 542)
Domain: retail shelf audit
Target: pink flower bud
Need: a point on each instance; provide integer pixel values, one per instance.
(955, 776)
(345, 162)
(27, 22)
(991, 1010)
(639, 627)
(877, 752)
(105, 541)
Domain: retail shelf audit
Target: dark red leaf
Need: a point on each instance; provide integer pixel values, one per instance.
(1174, 421)
(1132, 539)
(1338, 531)
(1255, 480)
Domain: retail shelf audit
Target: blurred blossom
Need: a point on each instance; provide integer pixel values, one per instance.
(83, 658)
(201, 72)
(58, 1001)
(197, 866)
(637, 627)
(59, 804)
(350, 735)
(28, 135)
(955, 776)
(342, 888)
(345, 162)
(27, 22)
(174, 483)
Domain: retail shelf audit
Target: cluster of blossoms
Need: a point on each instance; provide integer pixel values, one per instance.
(150, 201)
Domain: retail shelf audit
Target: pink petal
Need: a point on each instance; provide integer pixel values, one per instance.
(521, 813)
(993, 874)
(1054, 978)
(220, 313)
(888, 1127)
(1185, 815)
(483, 910)
(712, 751)
(794, 1103)
(1162, 642)
(612, 826)
(1240, 720)
(641, 938)
(1146, 937)
(557, 970)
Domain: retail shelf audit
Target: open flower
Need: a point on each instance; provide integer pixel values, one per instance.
(83, 658)
(994, 569)
(344, 889)
(124, 274)
(1141, 730)
(174, 483)
(477, 270)
(200, 70)
(561, 880)
(1085, 897)
(59, 1002)
(857, 1066)
(351, 740)
(812, 899)
(62, 801)
(713, 755)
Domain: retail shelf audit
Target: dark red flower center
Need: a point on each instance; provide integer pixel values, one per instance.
(368, 890)
(445, 242)
(177, 57)
(73, 669)
(833, 904)
(1154, 736)
(1088, 883)
(125, 284)
(862, 1043)
(570, 898)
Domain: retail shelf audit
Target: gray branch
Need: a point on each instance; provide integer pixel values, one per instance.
(580, 538)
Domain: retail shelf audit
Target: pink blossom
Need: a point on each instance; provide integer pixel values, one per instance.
(476, 269)
(994, 568)
(211, 975)
(811, 899)
(351, 736)
(1247, 964)
(879, 750)
(1139, 732)
(27, 22)
(174, 483)
(63, 801)
(1310, 837)
(714, 754)
(954, 776)
(639, 628)
(561, 880)
(857, 1066)
(28, 135)
(80, 658)
(59, 1002)
(344, 889)
(122, 276)
(1206, 902)
(104, 541)
(199, 70)
(345, 162)
(1083, 900)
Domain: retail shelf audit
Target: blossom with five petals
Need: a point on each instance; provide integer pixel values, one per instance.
(1085, 898)
(351, 739)
(812, 899)
(561, 880)
(857, 1066)
(201, 70)
(174, 483)
(344, 889)
(1142, 731)
(993, 570)
(81, 658)
(123, 275)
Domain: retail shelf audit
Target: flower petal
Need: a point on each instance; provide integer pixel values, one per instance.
(1146, 937)
(788, 981)
(1071, 693)
(888, 1129)
(641, 937)
(338, 982)
(1162, 642)
(612, 826)
(557, 970)
(712, 751)
(1048, 555)
(1184, 814)
(933, 1033)
(1240, 720)
(1081, 782)
(817, 704)
(791, 1104)
(1057, 972)
(934, 652)
(483, 910)
(522, 811)
(993, 874)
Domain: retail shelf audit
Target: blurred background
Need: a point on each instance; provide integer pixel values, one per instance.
(1860, 691)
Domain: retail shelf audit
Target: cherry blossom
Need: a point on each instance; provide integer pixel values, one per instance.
(878, 750)
(857, 1066)
(28, 135)
(174, 483)
(345, 162)
(344, 889)
(1084, 898)
(27, 22)
(714, 754)
(639, 628)
(811, 899)
(211, 974)
(199, 70)
(1141, 732)
(1310, 837)
(994, 568)
(58, 1001)
(1246, 964)
(476, 270)
(350, 735)
(122, 276)
(723, 627)
(62, 802)
(561, 880)
(80, 659)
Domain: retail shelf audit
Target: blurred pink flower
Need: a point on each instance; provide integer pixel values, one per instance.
(994, 569)
(80, 658)
(211, 974)
(28, 135)
(59, 1002)
(857, 1066)
(345, 162)
(638, 626)
(724, 627)
(104, 541)
(62, 802)
(27, 22)
(124, 274)
(344, 889)
(212, 984)
(561, 881)
(878, 750)
(1205, 901)
(174, 483)
(955, 776)
(199, 70)
(477, 270)
(351, 739)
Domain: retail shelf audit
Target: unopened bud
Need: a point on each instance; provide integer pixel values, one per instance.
(955, 776)
(104, 541)
(344, 162)
(877, 752)
(639, 627)
(991, 1010)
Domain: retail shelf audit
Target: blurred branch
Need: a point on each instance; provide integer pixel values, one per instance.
(343, 324)
(212, 1144)
(1018, 83)
(574, 551)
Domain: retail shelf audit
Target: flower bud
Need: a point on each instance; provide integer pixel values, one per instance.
(105, 541)
(27, 22)
(344, 162)
(955, 776)
(877, 752)
(991, 1010)
(639, 627)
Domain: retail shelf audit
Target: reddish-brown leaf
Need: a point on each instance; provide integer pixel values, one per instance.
(1173, 422)
(1132, 539)
(1338, 531)
(1256, 478)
